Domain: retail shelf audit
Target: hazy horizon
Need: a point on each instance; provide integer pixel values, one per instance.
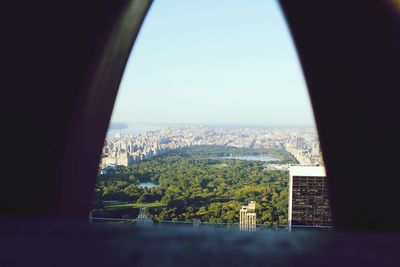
(220, 63)
(216, 124)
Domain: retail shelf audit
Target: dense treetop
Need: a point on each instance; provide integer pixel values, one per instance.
(195, 185)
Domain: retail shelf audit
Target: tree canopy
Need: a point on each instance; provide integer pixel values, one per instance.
(193, 184)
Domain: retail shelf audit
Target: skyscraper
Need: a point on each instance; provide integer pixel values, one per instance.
(308, 197)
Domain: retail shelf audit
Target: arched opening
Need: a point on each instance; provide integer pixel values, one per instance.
(211, 114)
(65, 71)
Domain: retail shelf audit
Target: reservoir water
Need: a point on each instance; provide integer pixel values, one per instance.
(147, 185)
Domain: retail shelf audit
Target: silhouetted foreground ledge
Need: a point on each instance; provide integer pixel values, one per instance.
(60, 243)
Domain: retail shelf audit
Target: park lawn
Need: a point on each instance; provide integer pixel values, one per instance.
(218, 166)
(124, 205)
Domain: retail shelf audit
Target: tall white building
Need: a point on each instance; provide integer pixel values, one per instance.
(248, 216)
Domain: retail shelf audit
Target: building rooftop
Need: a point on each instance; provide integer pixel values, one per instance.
(318, 171)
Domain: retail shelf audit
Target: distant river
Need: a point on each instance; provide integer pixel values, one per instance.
(252, 157)
(131, 128)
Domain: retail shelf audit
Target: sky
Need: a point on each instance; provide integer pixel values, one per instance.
(217, 62)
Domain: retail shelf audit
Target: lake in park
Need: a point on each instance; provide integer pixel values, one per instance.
(147, 185)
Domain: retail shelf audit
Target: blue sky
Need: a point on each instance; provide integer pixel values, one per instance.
(208, 61)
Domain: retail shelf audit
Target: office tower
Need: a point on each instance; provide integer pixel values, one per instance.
(248, 216)
(308, 197)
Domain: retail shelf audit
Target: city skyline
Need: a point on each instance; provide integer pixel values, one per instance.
(238, 66)
(129, 148)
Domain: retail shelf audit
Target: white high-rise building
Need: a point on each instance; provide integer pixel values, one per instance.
(248, 216)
